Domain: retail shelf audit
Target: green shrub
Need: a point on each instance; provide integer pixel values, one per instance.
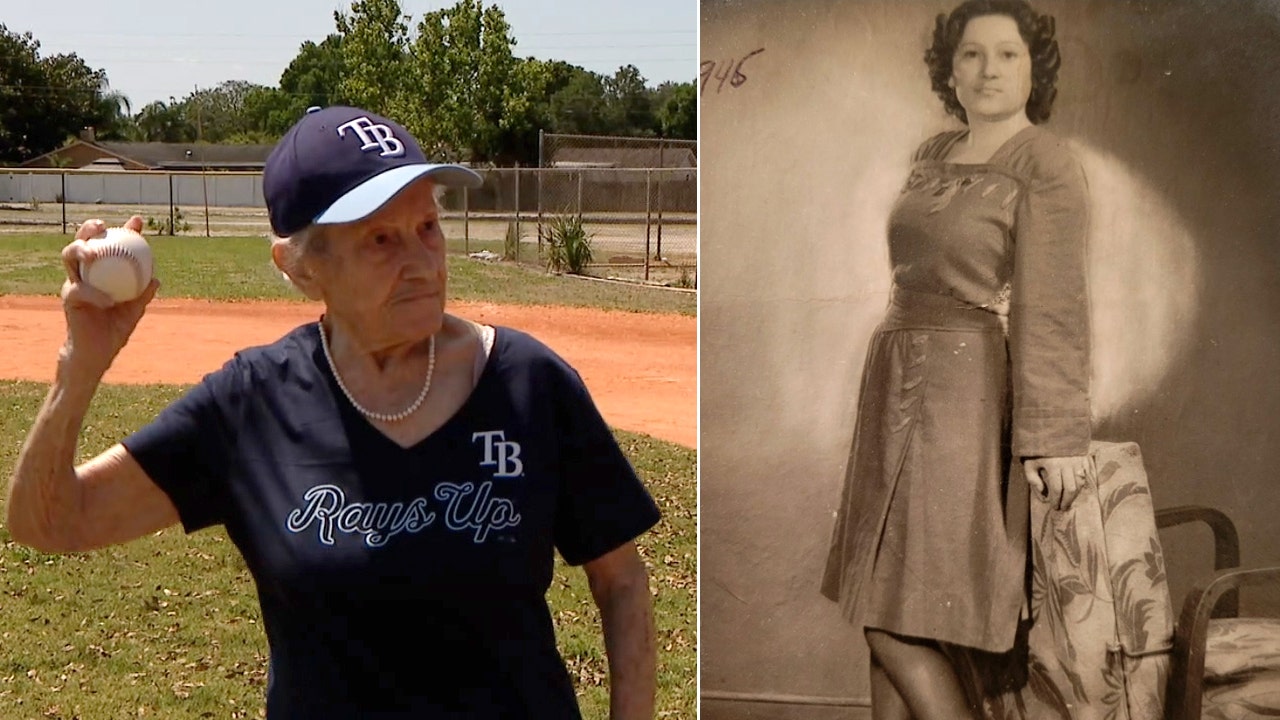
(163, 227)
(568, 245)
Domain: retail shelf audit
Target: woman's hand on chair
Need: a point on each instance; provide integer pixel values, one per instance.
(1058, 480)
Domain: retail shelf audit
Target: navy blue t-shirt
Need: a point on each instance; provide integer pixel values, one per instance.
(401, 582)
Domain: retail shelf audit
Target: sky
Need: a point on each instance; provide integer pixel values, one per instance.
(168, 48)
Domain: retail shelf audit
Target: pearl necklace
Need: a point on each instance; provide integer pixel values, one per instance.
(384, 417)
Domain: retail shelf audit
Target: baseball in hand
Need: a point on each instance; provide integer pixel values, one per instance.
(122, 268)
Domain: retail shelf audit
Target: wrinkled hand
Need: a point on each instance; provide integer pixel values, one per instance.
(1058, 480)
(97, 327)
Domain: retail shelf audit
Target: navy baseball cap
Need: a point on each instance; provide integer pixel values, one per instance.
(340, 164)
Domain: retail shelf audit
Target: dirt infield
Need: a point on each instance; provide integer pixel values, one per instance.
(640, 368)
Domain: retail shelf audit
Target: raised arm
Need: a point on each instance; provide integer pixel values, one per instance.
(53, 505)
(620, 587)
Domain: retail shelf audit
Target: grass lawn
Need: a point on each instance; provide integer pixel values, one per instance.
(241, 269)
(169, 627)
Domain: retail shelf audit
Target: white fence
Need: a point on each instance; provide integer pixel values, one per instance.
(222, 189)
(641, 221)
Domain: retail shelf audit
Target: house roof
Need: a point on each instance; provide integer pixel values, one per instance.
(633, 157)
(173, 156)
(189, 155)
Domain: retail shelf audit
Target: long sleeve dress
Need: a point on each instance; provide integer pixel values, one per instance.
(982, 359)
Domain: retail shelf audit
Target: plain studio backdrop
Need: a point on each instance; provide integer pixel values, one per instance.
(810, 112)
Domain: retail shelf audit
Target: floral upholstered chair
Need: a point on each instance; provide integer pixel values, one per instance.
(1096, 636)
(1099, 641)
(1223, 667)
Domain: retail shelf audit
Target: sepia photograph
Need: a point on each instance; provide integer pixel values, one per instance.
(988, 329)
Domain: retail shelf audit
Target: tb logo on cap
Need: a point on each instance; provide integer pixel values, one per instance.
(373, 136)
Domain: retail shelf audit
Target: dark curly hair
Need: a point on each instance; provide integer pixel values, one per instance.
(1037, 32)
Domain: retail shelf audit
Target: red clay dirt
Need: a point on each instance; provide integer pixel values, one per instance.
(641, 369)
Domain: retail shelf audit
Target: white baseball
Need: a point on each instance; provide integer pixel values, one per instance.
(123, 266)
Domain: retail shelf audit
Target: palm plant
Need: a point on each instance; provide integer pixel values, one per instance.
(568, 244)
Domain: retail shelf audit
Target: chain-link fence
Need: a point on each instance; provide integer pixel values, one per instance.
(609, 181)
(621, 205)
(642, 222)
(557, 150)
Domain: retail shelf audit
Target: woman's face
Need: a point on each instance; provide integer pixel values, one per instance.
(991, 70)
(385, 275)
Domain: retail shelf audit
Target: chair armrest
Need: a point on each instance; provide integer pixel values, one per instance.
(1186, 671)
(1226, 542)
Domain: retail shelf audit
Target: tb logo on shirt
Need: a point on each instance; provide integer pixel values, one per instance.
(500, 453)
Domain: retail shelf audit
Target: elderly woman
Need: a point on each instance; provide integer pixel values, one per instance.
(397, 478)
(976, 384)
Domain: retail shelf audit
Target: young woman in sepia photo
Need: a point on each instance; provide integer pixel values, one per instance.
(975, 388)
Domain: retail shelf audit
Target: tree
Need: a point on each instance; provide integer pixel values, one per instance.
(373, 45)
(219, 112)
(314, 77)
(241, 112)
(558, 73)
(580, 107)
(518, 141)
(627, 102)
(474, 94)
(164, 122)
(269, 112)
(45, 100)
(455, 83)
(115, 114)
(678, 113)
